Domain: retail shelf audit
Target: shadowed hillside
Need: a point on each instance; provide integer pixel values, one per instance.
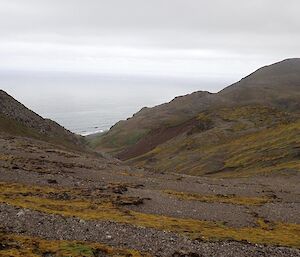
(16, 119)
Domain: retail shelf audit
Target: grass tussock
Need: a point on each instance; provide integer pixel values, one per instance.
(36, 198)
(20, 246)
(231, 199)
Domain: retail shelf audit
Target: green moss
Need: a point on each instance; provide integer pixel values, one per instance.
(76, 249)
(116, 141)
(258, 115)
(240, 126)
(15, 128)
(27, 246)
(246, 141)
(232, 199)
(12, 127)
(35, 198)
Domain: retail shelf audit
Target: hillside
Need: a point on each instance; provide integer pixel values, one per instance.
(69, 202)
(240, 141)
(176, 136)
(126, 133)
(275, 85)
(16, 119)
(60, 202)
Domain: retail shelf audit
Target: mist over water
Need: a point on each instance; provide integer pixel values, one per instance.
(89, 103)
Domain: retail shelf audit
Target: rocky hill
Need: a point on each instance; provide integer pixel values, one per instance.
(16, 119)
(202, 133)
(126, 133)
(276, 85)
(241, 141)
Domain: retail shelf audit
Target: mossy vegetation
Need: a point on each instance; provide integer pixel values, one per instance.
(12, 127)
(5, 157)
(15, 128)
(127, 132)
(244, 141)
(25, 246)
(256, 114)
(116, 141)
(231, 199)
(37, 198)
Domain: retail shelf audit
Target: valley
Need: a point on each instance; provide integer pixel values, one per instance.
(204, 175)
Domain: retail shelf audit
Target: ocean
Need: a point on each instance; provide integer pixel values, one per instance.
(91, 103)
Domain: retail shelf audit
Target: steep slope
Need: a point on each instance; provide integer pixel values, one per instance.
(127, 133)
(240, 141)
(276, 85)
(16, 119)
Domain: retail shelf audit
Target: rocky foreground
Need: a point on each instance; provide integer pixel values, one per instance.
(57, 202)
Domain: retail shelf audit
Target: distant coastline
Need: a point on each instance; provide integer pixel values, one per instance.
(92, 132)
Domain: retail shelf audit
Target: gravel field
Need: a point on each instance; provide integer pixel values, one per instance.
(33, 163)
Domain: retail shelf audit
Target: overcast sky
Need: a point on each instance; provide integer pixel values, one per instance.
(169, 38)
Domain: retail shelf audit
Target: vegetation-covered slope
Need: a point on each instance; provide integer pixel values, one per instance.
(127, 133)
(277, 86)
(239, 142)
(16, 119)
(253, 121)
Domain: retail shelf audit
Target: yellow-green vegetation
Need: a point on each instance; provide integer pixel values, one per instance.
(232, 199)
(12, 127)
(40, 199)
(19, 246)
(5, 157)
(270, 150)
(16, 128)
(116, 141)
(245, 141)
(258, 115)
(204, 118)
(127, 132)
(131, 174)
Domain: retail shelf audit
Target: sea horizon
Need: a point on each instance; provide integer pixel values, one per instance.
(91, 103)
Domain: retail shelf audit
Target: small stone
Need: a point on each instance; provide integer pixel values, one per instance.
(52, 181)
(20, 213)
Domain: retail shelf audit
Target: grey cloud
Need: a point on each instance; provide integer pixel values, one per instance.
(265, 16)
(252, 32)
